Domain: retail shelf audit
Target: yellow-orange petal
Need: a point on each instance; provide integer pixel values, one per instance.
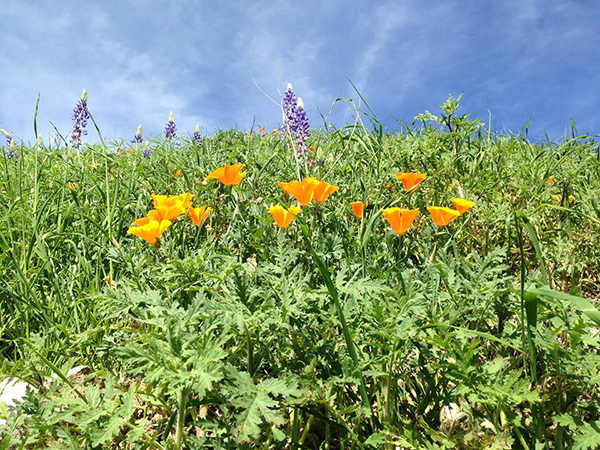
(199, 215)
(151, 231)
(400, 219)
(411, 180)
(357, 208)
(556, 197)
(302, 191)
(142, 221)
(442, 216)
(462, 205)
(550, 180)
(282, 216)
(323, 190)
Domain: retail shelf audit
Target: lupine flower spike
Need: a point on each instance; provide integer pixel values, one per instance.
(137, 139)
(324, 190)
(199, 215)
(80, 118)
(283, 217)
(170, 127)
(302, 191)
(411, 180)
(228, 175)
(462, 205)
(302, 130)
(197, 137)
(11, 145)
(147, 153)
(400, 219)
(442, 216)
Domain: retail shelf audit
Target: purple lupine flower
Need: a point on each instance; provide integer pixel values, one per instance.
(289, 105)
(11, 145)
(197, 138)
(147, 153)
(302, 129)
(170, 127)
(80, 118)
(137, 139)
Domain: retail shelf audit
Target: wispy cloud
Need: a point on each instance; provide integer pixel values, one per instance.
(140, 60)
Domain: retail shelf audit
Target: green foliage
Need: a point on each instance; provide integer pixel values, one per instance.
(333, 333)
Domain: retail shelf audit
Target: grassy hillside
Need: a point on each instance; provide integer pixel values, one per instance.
(335, 332)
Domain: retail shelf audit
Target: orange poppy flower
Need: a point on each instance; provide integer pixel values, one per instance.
(149, 230)
(442, 216)
(276, 133)
(260, 130)
(550, 181)
(283, 217)
(199, 215)
(462, 205)
(177, 174)
(571, 198)
(229, 175)
(302, 191)
(411, 180)
(72, 186)
(400, 219)
(170, 208)
(324, 190)
(358, 208)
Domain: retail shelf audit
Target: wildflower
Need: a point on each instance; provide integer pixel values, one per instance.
(147, 153)
(289, 106)
(462, 205)
(283, 217)
(358, 208)
(72, 186)
(442, 216)
(170, 127)
(11, 145)
(137, 139)
(556, 197)
(276, 133)
(169, 208)
(400, 219)
(302, 130)
(324, 190)
(177, 173)
(302, 191)
(411, 180)
(260, 130)
(228, 175)
(571, 198)
(80, 118)
(550, 181)
(199, 215)
(197, 138)
(149, 230)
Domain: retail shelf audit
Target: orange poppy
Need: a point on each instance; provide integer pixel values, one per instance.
(177, 174)
(400, 219)
(199, 215)
(229, 175)
(302, 191)
(149, 230)
(283, 217)
(324, 190)
(411, 180)
(170, 208)
(462, 205)
(72, 186)
(550, 181)
(276, 133)
(442, 216)
(260, 130)
(358, 208)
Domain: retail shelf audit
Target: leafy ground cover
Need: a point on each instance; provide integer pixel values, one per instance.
(335, 332)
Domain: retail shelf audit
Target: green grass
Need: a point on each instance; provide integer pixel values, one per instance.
(333, 333)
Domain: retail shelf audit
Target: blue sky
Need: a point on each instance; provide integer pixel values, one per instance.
(519, 59)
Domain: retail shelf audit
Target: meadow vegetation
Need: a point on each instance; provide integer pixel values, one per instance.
(334, 332)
